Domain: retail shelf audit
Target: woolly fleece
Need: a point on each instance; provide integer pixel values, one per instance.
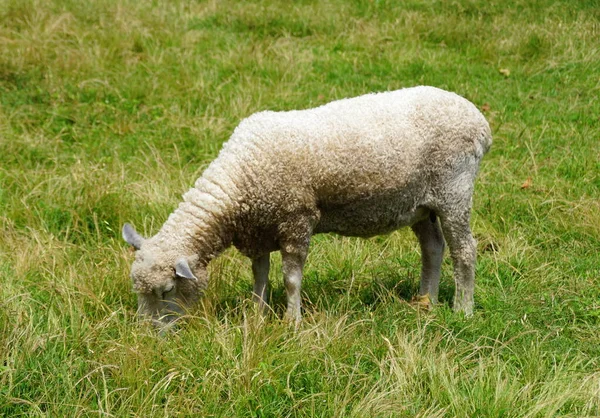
(359, 167)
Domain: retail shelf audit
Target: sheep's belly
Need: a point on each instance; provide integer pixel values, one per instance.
(368, 218)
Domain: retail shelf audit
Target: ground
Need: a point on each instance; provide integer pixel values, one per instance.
(109, 110)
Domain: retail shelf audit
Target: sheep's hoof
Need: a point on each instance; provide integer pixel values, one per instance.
(292, 320)
(422, 302)
(466, 310)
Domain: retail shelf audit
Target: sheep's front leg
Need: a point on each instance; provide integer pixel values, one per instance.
(293, 263)
(431, 242)
(260, 270)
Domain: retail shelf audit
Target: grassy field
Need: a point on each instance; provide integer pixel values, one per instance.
(109, 110)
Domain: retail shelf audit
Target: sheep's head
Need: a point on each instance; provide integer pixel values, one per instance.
(166, 283)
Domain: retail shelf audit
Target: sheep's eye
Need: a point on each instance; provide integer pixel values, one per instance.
(168, 288)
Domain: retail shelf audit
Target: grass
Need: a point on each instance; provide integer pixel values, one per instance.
(110, 109)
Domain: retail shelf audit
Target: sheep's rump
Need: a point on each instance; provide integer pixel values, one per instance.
(369, 163)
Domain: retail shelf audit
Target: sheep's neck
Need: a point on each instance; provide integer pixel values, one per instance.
(199, 226)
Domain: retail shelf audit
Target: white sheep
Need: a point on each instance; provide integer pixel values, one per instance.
(357, 167)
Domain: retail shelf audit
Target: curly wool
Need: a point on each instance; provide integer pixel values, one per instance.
(360, 166)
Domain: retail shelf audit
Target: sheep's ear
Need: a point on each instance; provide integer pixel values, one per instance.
(182, 269)
(132, 237)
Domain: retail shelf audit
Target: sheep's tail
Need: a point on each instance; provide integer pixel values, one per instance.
(484, 140)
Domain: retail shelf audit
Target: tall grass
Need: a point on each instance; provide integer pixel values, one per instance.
(110, 109)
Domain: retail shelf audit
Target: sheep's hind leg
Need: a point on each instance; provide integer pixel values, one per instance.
(463, 249)
(260, 270)
(431, 241)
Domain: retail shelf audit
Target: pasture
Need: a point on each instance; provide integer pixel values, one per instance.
(109, 111)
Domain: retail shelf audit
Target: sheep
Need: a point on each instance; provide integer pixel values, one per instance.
(361, 166)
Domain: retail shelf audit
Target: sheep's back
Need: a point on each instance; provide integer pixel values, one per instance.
(353, 148)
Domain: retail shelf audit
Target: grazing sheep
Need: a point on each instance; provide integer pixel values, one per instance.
(357, 167)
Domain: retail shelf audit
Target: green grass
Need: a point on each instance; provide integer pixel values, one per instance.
(109, 110)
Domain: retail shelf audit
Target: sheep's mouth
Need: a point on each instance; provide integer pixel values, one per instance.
(165, 327)
(162, 323)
